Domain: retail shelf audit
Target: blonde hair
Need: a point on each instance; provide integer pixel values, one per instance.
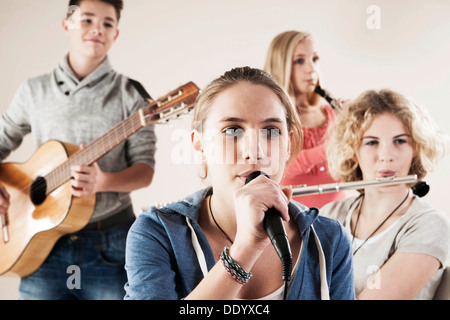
(429, 143)
(254, 77)
(279, 60)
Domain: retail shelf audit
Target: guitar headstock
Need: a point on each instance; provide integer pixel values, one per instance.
(174, 104)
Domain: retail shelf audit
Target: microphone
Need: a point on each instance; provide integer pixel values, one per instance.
(273, 224)
(327, 96)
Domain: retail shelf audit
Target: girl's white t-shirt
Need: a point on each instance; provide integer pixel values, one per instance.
(422, 229)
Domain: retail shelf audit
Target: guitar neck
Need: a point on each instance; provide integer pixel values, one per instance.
(93, 152)
(169, 106)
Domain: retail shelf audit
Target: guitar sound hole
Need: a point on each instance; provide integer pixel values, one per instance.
(38, 191)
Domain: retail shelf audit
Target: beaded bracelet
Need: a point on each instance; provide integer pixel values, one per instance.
(235, 270)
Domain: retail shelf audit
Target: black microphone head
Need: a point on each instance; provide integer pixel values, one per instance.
(254, 175)
(420, 189)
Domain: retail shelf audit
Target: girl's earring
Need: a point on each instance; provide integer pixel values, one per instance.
(204, 173)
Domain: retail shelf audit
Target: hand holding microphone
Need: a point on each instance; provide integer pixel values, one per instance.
(273, 225)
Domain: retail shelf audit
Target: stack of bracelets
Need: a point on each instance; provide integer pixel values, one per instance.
(235, 270)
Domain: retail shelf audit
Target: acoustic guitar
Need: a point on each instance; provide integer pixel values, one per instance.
(42, 208)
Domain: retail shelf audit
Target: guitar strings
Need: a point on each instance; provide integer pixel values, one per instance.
(60, 174)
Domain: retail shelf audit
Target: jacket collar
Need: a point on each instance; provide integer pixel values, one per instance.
(303, 215)
(191, 205)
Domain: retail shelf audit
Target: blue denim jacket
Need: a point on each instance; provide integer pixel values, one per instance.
(161, 261)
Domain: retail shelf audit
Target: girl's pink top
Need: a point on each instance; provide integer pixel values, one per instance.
(310, 167)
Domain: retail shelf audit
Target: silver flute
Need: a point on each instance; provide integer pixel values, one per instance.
(302, 190)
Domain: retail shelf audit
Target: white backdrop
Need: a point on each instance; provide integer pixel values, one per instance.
(164, 44)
